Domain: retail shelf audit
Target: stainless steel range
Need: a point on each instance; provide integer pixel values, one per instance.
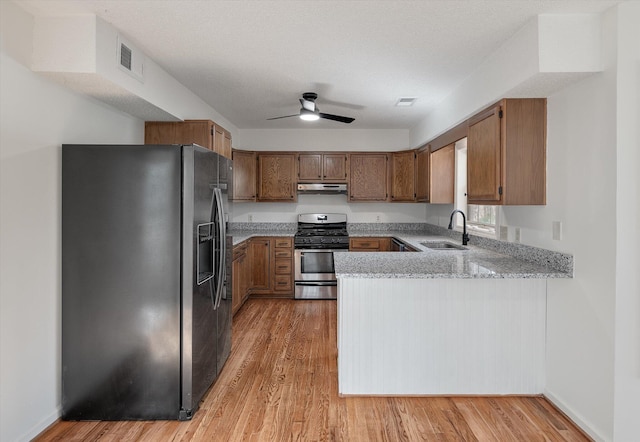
(318, 236)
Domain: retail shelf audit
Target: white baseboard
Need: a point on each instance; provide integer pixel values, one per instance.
(577, 420)
(41, 426)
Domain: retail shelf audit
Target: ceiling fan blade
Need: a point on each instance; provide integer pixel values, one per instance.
(308, 105)
(336, 118)
(286, 116)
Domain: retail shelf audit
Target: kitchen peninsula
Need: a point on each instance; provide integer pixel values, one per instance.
(443, 322)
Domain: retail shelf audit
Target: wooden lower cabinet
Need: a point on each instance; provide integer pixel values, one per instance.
(241, 269)
(370, 244)
(271, 262)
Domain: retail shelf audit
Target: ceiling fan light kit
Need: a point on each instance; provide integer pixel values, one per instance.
(310, 112)
(308, 115)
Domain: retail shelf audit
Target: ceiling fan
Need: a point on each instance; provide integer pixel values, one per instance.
(310, 112)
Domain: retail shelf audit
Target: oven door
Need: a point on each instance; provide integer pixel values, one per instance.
(314, 274)
(314, 265)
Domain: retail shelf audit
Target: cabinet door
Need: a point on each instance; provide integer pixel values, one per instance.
(260, 256)
(218, 140)
(244, 176)
(368, 177)
(422, 174)
(443, 175)
(309, 167)
(403, 171)
(483, 158)
(277, 177)
(334, 167)
(227, 149)
(198, 132)
(160, 132)
(239, 273)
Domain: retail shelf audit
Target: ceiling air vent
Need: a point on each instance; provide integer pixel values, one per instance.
(125, 56)
(130, 59)
(405, 101)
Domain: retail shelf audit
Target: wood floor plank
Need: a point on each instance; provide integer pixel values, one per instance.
(280, 384)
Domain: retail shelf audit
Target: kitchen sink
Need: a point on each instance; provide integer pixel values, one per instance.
(442, 245)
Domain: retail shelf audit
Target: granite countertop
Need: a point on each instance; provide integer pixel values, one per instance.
(484, 258)
(243, 235)
(475, 262)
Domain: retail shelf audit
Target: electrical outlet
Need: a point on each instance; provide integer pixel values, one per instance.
(377, 218)
(250, 218)
(504, 233)
(516, 236)
(556, 227)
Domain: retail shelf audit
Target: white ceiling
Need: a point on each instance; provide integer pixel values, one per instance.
(251, 60)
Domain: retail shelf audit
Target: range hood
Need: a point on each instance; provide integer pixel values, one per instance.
(325, 188)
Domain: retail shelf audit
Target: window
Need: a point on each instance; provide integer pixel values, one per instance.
(481, 220)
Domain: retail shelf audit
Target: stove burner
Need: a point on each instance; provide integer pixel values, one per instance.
(319, 231)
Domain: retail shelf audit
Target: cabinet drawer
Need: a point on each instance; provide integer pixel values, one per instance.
(283, 266)
(365, 243)
(284, 242)
(282, 253)
(283, 283)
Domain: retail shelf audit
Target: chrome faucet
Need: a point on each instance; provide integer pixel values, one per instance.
(465, 236)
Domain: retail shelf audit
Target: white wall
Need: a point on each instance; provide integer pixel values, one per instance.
(36, 117)
(593, 328)
(627, 308)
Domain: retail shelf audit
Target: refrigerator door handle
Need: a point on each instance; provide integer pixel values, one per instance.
(219, 208)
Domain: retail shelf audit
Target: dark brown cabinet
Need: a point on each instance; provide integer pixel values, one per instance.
(244, 176)
(442, 175)
(241, 269)
(369, 244)
(277, 177)
(205, 133)
(368, 177)
(271, 266)
(506, 154)
(422, 174)
(403, 176)
(322, 167)
(259, 253)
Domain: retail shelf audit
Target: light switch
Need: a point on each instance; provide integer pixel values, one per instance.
(557, 230)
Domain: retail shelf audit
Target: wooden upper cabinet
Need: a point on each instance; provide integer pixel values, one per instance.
(368, 177)
(197, 131)
(160, 132)
(309, 167)
(244, 176)
(202, 132)
(227, 149)
(506, 153)
(442, 175)
(422, 174)
(403, 176)
(322, 167)
(277, 176)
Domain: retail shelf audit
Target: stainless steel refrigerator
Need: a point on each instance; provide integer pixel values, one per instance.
(146, 279)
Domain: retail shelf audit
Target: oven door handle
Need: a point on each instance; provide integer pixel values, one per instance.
(317, 283)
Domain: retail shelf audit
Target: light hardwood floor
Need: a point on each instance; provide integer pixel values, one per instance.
(280, 384)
